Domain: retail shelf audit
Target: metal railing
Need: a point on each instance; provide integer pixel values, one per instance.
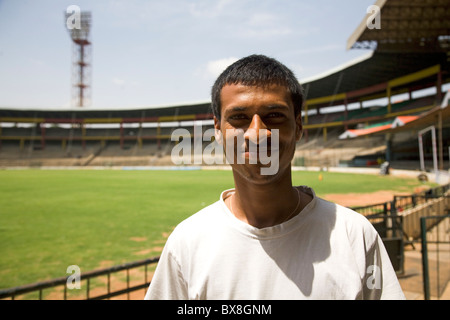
(390, 229)
(387, 219)
(435, 230)
(402, 202)
(374, 209)
(86, 277)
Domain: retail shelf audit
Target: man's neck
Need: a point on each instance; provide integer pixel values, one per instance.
(264, 205)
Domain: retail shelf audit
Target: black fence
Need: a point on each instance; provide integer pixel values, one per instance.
(390, 229)
(435, 241)
(388, 222)
(405, 202)
(384, 208)
(86, 285)
(400, 203)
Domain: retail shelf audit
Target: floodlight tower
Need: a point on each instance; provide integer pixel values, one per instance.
(81, 58)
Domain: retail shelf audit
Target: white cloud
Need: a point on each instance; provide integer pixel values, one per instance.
(264, 25)
(118, 81)
(208, 9)
(265, 32)
(125, 83)
(317, 49)
(37, 62)
(262, 19)
(214, 68)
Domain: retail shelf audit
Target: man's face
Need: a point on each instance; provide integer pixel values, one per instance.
(263, 115)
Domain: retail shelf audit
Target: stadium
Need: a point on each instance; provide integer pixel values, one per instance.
(386, 111)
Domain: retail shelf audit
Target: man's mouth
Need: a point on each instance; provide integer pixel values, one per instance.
(259, 152)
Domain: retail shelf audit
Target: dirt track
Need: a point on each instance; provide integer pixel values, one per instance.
(361, 199)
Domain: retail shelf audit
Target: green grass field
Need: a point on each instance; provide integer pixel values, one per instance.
(50, 219)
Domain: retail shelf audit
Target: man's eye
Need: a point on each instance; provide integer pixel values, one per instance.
(238, 117)
(275, 115)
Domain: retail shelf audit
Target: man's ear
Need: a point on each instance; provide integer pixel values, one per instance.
(298, 127)
(217, 131)
(216, 123)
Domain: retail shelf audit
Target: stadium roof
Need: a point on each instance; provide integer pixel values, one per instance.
(406, 123)
(411, 36)
(377, 69)
(172, 113)
(413, 25)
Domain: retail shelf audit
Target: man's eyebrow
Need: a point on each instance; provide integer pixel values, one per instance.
(270, 107)
(277, 106)
(235, 109)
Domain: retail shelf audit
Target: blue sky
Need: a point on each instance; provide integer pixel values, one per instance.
(149, 53)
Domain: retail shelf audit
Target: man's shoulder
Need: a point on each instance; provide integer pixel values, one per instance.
(201, 221)
(204, 215)
(345, 213)
(347, 218)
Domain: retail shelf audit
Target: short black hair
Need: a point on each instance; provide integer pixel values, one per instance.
(257, 70)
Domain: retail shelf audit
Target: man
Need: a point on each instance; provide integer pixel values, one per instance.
(266, 239)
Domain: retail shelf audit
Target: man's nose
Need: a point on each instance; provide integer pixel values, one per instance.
(253, 131)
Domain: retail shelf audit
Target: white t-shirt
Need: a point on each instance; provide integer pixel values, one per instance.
(325, 252)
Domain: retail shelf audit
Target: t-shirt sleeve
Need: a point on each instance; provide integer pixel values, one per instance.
(168, 282)
(380, 282)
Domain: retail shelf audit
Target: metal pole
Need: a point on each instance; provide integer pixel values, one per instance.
(425, 270)
(422, 164)
(440, 142)
(433, 143)
(81, 75)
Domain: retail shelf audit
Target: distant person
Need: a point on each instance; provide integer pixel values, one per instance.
(268, 239)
